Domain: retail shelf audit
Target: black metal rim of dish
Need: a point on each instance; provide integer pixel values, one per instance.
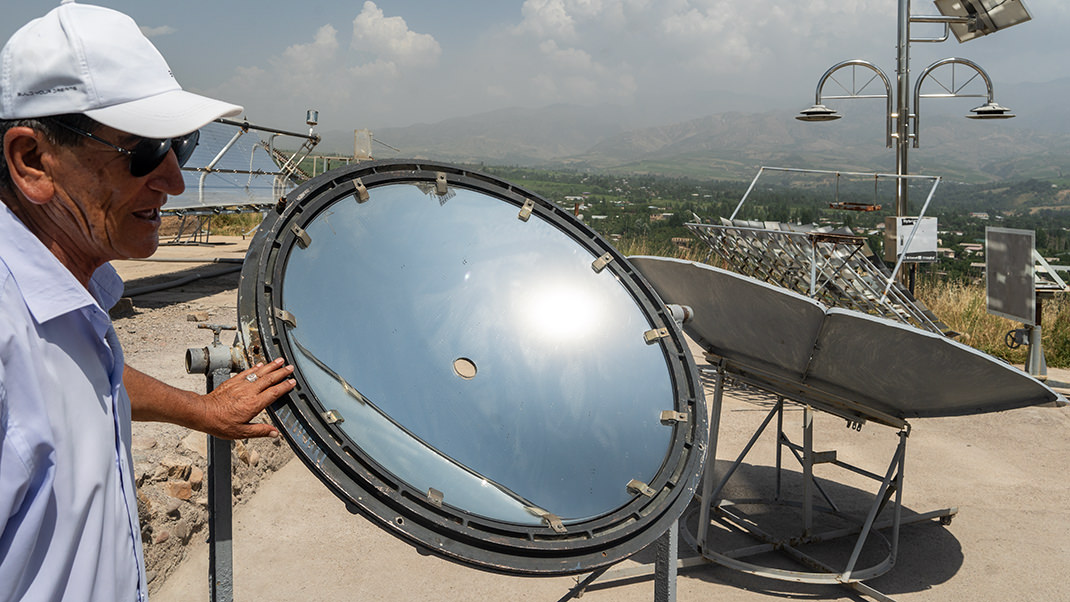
(368, 489)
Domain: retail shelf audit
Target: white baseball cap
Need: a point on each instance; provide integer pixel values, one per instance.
(87, 59)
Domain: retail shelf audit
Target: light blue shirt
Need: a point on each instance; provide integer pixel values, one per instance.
(68, 508)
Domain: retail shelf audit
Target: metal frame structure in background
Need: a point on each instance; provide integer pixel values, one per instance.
(830, 266)
(196, 219)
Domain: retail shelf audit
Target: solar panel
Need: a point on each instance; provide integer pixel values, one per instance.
(233, 169)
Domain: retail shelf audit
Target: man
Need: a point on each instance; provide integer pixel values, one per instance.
(94, 129)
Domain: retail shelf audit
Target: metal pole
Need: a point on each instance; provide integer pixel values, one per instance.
(220, 520)
(902, 123)
(1036, 364)
(779, 444)
(217, 362)
(668, 548)
(808, 471)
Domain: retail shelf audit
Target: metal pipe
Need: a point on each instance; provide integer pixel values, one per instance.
(179, 282)
(245, 125)
(990, 94)
(191, 259)
(902, 121)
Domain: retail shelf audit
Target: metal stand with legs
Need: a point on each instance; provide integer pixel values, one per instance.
(733, 517)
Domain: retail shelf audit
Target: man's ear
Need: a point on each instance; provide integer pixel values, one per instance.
(24, 151)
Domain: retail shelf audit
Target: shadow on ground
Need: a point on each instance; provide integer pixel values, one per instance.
(928, 553)
(184, 285)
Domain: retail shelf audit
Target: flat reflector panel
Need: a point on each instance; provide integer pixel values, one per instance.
(842, 361)
(1010, 284)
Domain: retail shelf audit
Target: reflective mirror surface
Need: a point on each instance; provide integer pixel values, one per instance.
(477, 371)
(479, 355)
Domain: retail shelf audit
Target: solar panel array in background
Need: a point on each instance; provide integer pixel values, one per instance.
(232, 191)
(833, 267)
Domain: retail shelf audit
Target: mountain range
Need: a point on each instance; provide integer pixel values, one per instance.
(734, 144)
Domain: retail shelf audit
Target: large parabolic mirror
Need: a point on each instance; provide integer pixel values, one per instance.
(478, 372)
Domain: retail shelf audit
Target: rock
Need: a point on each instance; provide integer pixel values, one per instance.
(177, 468)
(173, 508)
(241, 451)
(139, 443)
(144, 507)
(197, 443)
(197, 316)
(179, 489)
(124, 308)
(182, 531)
(160, 474)
(196, 478)
(161, 537)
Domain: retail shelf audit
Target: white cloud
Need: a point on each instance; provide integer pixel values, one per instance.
(631, 52)
(547, 19)
(369, 72)
(302, 64)
(390, 39)
(162, 30)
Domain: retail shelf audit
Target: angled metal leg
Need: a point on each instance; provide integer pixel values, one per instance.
(711, 456)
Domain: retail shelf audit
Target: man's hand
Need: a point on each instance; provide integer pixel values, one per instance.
(231, 406)
(224, 413)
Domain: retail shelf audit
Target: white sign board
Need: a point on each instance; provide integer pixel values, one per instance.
(921, 248)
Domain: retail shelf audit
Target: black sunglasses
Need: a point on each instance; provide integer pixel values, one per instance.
(148, 153)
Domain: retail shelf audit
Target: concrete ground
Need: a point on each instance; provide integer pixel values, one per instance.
(294, 540)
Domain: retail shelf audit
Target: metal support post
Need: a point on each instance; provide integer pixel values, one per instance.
(1036, 365)
(668, 548)
(808, 471)
(779, 447)
(220, 511)
(217, 362)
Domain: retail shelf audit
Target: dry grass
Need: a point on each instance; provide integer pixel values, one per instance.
(964, 308)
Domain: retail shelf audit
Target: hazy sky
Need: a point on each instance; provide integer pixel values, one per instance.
(401, 62)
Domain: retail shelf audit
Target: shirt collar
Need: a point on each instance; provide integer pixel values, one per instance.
(49, 288)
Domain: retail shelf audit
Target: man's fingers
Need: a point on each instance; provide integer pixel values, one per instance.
(258, 429)
(265, 375)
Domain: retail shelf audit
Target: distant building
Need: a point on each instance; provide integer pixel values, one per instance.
(981, 215)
